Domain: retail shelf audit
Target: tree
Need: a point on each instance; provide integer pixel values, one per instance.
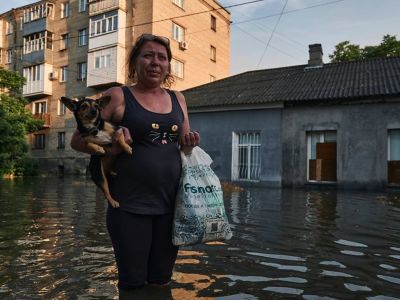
(15, 123)
(344, 51)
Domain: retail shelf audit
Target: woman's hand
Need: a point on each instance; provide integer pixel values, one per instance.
(189, 141)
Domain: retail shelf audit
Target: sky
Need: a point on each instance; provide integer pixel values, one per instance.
(276, 33)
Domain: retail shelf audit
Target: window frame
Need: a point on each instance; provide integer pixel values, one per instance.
(39, 141)
(83, 37)
(63, 73)
(83, 5)
(213, 23)
(100, 24)
(213, 53)
(181, 73)
(65, 10)
(61, 108)
(178, 32)
(82, 71)
(64, 41)
(252, 165)
(61, 140)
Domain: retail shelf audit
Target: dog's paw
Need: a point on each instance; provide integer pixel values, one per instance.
(114, 203)
(100, 150)
(129, 150)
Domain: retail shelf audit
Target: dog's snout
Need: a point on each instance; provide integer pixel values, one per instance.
(93, 111)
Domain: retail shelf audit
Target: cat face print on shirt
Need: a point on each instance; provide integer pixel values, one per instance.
(164, 134)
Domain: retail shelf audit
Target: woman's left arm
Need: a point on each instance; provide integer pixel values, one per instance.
(188, 139)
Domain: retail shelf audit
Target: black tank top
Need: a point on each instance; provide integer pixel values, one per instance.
(147, 181)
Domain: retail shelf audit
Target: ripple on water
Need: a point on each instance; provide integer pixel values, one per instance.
(332, 263)
(286, 267)
(387, 267)
(284, 290)
(391, 279)
(357, 288)
(277, 256)
(350, 243)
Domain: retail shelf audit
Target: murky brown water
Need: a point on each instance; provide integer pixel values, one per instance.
(287, 244)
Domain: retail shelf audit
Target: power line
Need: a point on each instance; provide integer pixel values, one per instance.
(289, 11)
(272, 34)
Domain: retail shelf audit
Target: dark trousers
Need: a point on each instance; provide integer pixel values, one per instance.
(142, 246)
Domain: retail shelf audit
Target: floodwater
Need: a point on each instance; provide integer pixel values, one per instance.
(287, 244)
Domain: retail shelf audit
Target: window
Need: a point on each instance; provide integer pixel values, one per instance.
(178, 32)
(61, 140)
(82, 70)
(246, 156)
(64, 74)
(321, 154)
(64, 10)
(9, 28)
(178, 3)
(177, 68)
(213, 53)
(213, 23)
(38, 141)
(39, 107)
(394, 156)
(21, 23)
(9, 57)
(102, 61)
(33, 73)
(62, 109)
(64, 42)
(82, 37)
(104, 23)
(83, 4)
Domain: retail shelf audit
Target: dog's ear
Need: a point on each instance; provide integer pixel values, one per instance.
(69, 103)
(103, 101)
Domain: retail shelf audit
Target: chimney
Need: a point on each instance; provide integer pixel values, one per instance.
(315, 51)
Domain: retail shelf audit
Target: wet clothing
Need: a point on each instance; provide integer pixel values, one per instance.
(147, 180)
(145, 185)
(142, 246)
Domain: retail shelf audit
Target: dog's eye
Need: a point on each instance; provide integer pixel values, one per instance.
(84, 106)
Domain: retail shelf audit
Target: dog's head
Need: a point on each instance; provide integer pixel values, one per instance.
(85, 109)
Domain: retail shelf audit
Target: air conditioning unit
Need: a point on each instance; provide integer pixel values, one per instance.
(53, 75)
(183, 45)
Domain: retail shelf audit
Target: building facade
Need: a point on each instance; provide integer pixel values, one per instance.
(335, 124)
(80, 48)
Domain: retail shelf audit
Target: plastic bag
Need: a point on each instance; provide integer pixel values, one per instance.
(199, 209)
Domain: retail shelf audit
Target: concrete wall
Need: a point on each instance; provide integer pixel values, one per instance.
(362, 141)
(216, 130)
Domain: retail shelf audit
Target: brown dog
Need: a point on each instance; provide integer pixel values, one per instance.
(98, 134)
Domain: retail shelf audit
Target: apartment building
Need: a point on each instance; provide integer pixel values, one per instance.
(79, 48)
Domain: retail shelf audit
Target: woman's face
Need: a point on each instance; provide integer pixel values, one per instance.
(152, 64)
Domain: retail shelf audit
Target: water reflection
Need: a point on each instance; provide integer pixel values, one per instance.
(287, 244)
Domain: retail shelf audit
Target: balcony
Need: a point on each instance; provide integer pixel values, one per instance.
(39, 88)
(100, 6)
(107, 69)
(43, 116)
(36, 18)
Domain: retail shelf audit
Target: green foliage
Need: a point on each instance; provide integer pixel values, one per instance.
(15, 123)
(344, 51)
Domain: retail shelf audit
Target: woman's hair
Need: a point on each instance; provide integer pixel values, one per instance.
(169, 79)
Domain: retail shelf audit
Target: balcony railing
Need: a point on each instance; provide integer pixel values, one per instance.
(43, 116)
(99, 6)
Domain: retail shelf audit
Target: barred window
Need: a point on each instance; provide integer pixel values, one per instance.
(246, 156)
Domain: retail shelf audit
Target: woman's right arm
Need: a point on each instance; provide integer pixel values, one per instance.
(113, 113)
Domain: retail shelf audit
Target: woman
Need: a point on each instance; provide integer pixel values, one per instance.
(147, 181)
